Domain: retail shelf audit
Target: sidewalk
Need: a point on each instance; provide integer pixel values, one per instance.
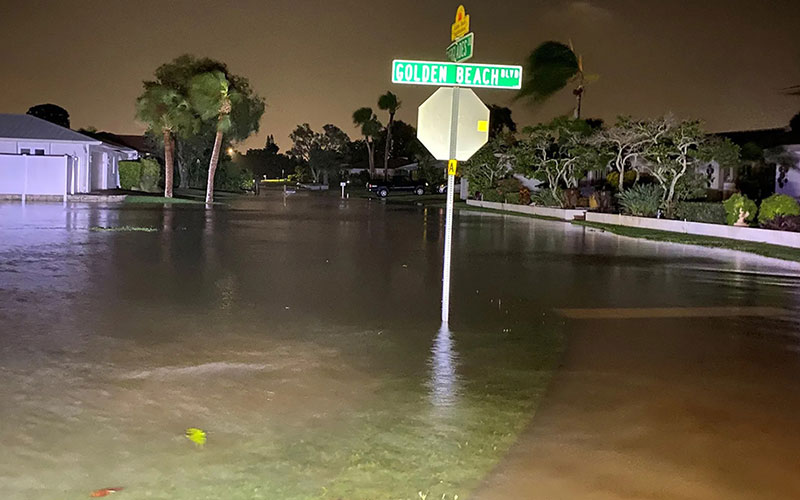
(686, 408)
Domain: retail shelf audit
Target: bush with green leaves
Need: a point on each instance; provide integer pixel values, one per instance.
(130, 174)
(151, 174)
(141, 175)
(612, 179)
(737, 205)
(547, 198)
(699, 211)
(642, 200)
(775, 205)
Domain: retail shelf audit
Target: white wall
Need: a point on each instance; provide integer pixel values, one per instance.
(34, 175)
(80, 152)
(96, 166)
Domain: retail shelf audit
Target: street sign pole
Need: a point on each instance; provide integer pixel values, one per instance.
(448, 223)
(453, 127)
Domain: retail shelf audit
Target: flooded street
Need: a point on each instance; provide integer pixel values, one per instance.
(302, 334)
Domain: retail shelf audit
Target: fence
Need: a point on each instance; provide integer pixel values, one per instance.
(34, 175)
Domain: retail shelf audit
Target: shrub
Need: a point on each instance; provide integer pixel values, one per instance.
(612, 179)
(493, 195)
(775, 205)
(130, 174)
(736, 204)
(512, 198)
(711, 213)
(546, 198)
(642, 200)
(509, 185)
(783, 223)
(151, 174)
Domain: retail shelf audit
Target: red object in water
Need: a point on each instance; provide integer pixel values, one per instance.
(105, 492)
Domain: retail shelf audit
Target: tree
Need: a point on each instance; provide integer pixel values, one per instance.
(550, 68)
(212, 98)
(680, 151)
(500, 121)
(165, 111)
(626, 142)
(319, 152)
(370, 129)
(794, 123)
(388, 102)
(556, 152)
(50, 112)
(270, 146)
(193, 150)
(404, 140)
(488, 165)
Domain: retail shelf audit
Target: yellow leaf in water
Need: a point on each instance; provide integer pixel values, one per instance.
(197, 436)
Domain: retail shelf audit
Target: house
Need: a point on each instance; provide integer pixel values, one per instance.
(44, 159)
(781, 148)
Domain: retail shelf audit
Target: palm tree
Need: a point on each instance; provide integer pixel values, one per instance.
(551, 66)
(388, 102)
(212, 97)
(370, 128)
(165, 111)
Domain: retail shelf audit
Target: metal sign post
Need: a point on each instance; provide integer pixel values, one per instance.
(453, 123)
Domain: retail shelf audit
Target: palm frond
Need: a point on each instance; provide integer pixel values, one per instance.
(549, 68)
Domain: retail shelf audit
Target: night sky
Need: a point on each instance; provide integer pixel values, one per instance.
(723, 61)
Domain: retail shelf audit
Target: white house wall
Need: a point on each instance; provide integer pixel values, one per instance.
(9, 147)
(92, 166)
(81, 153)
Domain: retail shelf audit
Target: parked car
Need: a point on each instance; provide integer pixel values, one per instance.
(383, 188)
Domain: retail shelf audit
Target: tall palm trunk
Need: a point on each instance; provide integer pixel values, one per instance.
(169, 153)
(183, 166)
(388, 147)
(212, 166)
(578, 101)
(578, 92)
(371, 153)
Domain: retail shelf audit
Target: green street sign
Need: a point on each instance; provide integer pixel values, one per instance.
(461, 49)
(444, 74)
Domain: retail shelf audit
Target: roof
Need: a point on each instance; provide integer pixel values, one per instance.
(31, 127)
(765, 138)
(135, 142)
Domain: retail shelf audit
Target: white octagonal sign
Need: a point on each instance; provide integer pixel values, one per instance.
(436, 128)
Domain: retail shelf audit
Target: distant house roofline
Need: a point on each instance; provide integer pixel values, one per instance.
(17, 127)
(764, 138)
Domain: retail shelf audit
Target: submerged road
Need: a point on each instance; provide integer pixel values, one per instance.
(303, 334)
(668, 403)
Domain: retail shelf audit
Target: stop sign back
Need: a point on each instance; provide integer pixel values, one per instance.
(453, 124)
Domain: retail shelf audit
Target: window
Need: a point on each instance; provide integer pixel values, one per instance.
(39, 152)
(25, 151)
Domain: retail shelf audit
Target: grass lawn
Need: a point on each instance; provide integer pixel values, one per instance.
(764, 249)
(159, 200)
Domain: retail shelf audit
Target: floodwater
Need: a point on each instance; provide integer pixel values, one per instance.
(302, 334)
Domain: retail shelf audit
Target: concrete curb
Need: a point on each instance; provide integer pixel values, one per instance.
(771, 237)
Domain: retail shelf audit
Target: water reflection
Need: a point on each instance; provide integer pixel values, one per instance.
(444, 383)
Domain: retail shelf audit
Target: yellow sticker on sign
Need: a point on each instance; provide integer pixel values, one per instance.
(452, 167)
(461, 26)
(483, 125)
